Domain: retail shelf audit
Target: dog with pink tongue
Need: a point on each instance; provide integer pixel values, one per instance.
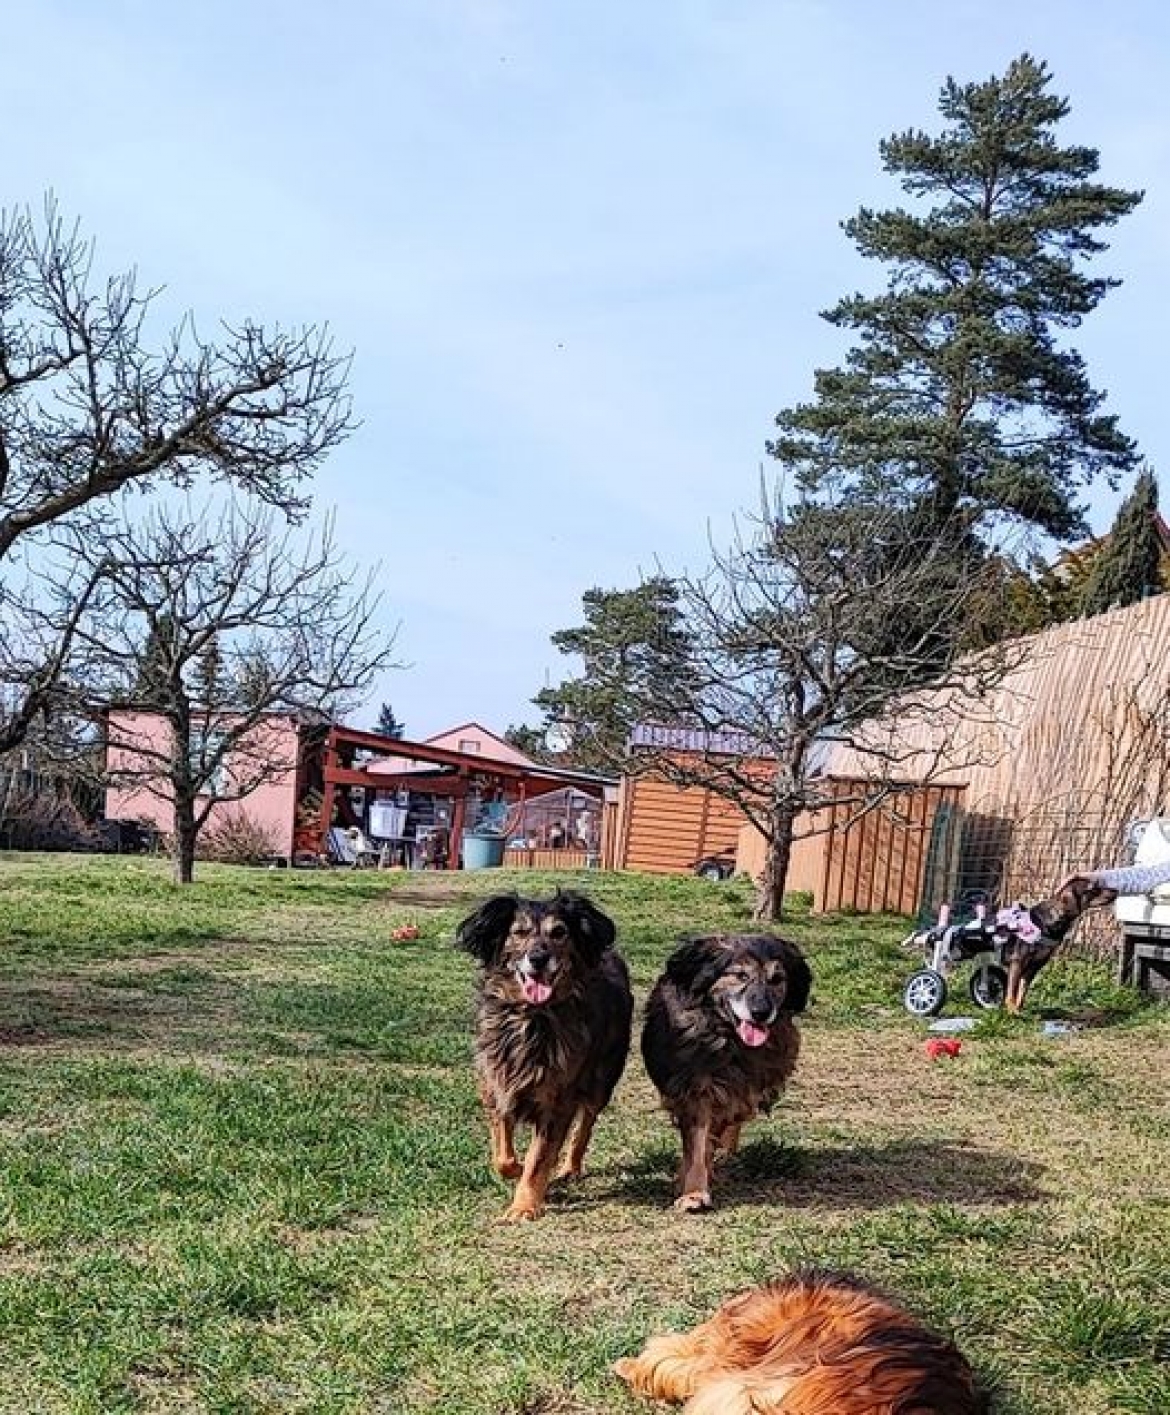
(720, 1042)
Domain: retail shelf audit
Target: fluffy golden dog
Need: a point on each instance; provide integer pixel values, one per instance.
(719, 1043)
(552, 1031)
(813, 1344)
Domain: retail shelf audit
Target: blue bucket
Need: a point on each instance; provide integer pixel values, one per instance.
(482, 852)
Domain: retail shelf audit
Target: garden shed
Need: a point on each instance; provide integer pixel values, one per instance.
(866, 849)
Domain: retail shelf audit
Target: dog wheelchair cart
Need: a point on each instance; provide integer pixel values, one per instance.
(946, 944)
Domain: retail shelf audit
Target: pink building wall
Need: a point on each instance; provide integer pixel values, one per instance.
(470, 738)
(473, 738)
(272, 805)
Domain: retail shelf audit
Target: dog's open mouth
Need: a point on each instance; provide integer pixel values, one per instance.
(751, 1034)
(535, 990)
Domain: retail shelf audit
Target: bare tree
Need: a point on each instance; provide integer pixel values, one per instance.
(213, 625)
(87, 410)
(806, 634)
(49, 786)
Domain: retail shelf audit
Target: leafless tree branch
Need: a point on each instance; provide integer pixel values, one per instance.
(87, 409)
(212, 624)
(820, 624)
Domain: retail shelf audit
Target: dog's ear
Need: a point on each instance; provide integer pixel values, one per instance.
(696, 964)
(798, 975)
(482, 934)
(593, 930)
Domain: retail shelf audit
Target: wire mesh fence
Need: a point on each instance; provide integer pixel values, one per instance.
(976, 854)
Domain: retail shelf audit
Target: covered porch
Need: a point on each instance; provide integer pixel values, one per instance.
(420, 800)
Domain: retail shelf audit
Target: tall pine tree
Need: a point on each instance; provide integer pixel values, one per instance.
(636, 657)
(958, 399)
(1128, 565)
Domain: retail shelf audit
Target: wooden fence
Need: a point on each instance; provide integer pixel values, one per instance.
(549, 859)
(1061, 756)
(871, 861)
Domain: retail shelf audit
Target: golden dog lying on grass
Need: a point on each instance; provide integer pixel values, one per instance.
(811, 1344)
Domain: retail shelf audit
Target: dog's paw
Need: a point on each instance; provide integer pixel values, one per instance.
(627, 1370)
(698, 1201)
(509, 1169)
(524, 1212)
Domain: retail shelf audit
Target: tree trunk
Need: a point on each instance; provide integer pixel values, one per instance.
(186, 833)
(770, 895)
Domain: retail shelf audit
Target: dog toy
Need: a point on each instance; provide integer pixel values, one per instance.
(942, 1046)
(404, 931)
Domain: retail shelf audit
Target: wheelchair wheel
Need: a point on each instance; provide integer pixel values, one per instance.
(988, 985)
(925, 993)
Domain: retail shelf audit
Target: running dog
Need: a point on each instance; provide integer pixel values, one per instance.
(553, 1015)
(719, 1042)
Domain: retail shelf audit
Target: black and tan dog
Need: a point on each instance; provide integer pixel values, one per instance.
(552, 1031)
(1052, 919)
(719, 1043)
(812, 1344)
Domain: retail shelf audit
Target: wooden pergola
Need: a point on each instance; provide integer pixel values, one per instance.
(455, 775)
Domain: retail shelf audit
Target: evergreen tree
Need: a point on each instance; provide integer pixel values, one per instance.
(388, 724)
(1062, 584)
(1128, 564)
(209, 669)
(635, 653)
(155, 662)
(1008, 600)
(957, 400)
(529, 740)
(253, 679)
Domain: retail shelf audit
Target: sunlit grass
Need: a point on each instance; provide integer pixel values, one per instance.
(242, 1165)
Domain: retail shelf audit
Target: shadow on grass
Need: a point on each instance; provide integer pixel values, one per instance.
(74, 1010)
(444, 895)
(403, 1017)
(862, 1176)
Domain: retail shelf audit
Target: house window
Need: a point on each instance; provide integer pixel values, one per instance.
(207, 745)
(468, 744)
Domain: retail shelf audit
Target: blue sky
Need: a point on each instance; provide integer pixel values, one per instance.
(578, 250)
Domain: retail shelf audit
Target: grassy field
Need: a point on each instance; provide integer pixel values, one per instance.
(242, 1166)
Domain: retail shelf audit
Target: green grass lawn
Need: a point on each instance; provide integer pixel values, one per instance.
(242, 1166)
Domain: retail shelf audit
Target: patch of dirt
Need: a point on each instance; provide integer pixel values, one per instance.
(869, 1124)
(24, 1034)
(442, 894)
(19, 1260)
(554, 1403)
(198, 959)
(158, 1391)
